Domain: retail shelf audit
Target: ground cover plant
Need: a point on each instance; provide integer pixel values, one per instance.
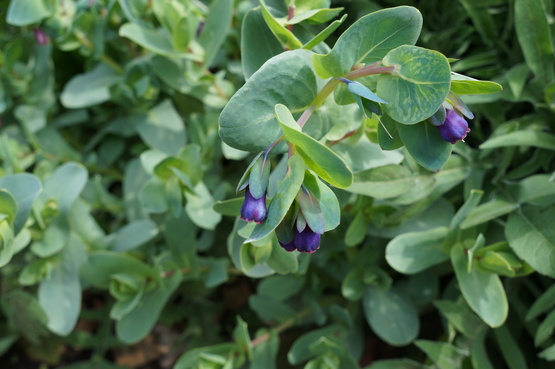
(277, 184)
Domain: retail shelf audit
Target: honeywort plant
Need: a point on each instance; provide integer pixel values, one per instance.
(409, 92)
(113, 171)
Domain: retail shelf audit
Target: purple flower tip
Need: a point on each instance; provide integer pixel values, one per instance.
(40, 37)
(306, 241)
(454, 128)
(253, 210)
(290, 246)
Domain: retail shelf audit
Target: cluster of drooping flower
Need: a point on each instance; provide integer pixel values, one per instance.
(304, 223)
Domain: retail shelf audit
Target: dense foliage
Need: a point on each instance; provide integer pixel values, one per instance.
(136, 135)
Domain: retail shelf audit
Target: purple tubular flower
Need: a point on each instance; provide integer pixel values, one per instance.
(454, 128)
(306, 241)
(290, 246)
(253, 210)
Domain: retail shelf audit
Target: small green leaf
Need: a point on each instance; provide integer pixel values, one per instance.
(153, 40)
(302, 348)
(443, 354)
(483, 291)
(270, 309)
(388, 135)
(510, 349)
(534, 36)
(531, 235)
(216, 29)
(161, 128)
(137, 323)
(97, 81)
(417, 87)
(258, 43)
(60, 294)
(425, 145)
(134, 235)
(521, 138)
(391, 316)
(199, 207)
(542, 304)
(321, 159)
(102, 265)
(363, 91)
(231, 207)
(65, 185)
(6, 242)
(463, 85)
(25, 12)
(329, 205)
(285, 37)
(324, 34)
(383, 182)
(265, 353)
(414, 252)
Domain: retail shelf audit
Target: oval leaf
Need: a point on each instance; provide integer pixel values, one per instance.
(248, 122)
(418, 85)
(482, 291)
(369, 39)
(414, 252)
(391, 315)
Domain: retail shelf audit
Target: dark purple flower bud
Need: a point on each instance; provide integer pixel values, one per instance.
(454, 128)
(253, 210)
(306, 241)
(40, 37)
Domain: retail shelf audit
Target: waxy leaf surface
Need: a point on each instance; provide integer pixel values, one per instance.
(248, 122)
(417, 87)
(369, 39)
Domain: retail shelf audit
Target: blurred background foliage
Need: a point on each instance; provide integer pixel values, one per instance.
(117, 253)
